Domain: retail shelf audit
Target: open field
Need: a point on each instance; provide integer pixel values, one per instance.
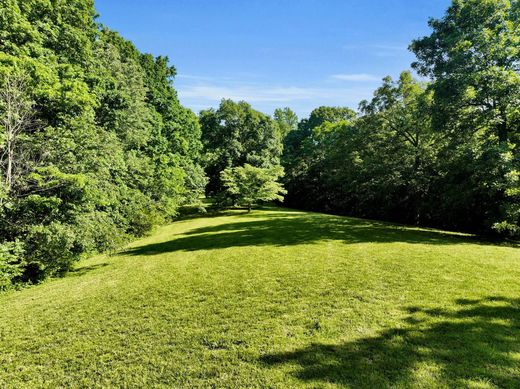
(274, 298)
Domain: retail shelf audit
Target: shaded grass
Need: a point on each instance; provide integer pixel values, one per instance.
(474, 344)
(297, 228)
(274, 298)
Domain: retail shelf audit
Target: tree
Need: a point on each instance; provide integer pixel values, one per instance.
(234, 135)
(247, 185)
(324, 114)
(397, 125)
(95, 147)
(17, 118)
(473, 58)
(403, 107)
(443, 153)
(287, 120)
(304, 153)
(473, 54)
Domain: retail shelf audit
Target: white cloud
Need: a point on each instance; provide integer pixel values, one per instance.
(356, 77)
(191, 77)
(205, 92)
(274, 94)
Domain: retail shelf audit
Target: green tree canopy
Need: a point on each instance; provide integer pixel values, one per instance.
(287, 120)
(473, 54)
(248, 185)
(234, 135)
(94, 145)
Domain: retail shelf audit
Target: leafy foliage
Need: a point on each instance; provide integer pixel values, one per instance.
(247, 185)
(235, 135)
(11, 266)
(95, 147)
(443, 153)
(286, 119)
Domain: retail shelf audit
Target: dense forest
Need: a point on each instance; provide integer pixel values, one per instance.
(441, 153)
(96, 149)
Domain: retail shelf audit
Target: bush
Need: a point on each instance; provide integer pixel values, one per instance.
(97, 233)
(51, 250)
(140, 214)
(11, 254)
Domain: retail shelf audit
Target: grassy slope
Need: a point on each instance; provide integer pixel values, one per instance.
(273, 298)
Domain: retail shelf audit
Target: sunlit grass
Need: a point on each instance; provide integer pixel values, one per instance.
(274, 298)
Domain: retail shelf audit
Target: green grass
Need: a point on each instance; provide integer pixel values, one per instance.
(274, 298)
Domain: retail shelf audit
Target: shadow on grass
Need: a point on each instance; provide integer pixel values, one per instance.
(85, 269)
(293, 228)
(473, 344)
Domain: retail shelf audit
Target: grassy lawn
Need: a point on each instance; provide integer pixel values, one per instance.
(274, 298)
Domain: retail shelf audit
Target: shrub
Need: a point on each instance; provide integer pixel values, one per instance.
(11, 254)
(51, 250)
(97, 233)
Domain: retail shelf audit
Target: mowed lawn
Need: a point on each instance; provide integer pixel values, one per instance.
(274, 298)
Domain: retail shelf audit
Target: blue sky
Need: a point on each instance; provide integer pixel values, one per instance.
(275, 53)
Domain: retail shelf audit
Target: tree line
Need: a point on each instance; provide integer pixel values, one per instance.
(95, 148)
(442, 152)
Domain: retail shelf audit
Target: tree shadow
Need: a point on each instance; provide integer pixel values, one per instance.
(295, 228)
(472, 344)
(85, 269)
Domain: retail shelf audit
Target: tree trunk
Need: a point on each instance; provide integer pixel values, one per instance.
(18, 118)
(9, 168)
